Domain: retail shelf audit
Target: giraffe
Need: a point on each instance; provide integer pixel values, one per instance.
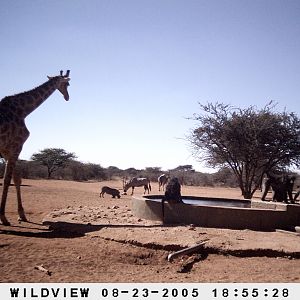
(13, 131)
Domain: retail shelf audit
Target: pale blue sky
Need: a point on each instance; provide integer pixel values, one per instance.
(139, 68)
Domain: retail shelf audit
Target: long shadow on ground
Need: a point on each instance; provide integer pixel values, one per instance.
(61, 229)
(66, 230)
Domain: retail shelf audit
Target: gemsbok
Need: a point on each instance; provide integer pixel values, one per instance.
(137, 182)
(162, 181)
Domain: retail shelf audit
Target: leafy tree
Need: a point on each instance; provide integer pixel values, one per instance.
(131, 172)
(79, 171)
(184, 168)
(225, 177)
(152, 173)
(249, 141)
(182, 173)
(95, 172)
(112, 171)
(53, 159)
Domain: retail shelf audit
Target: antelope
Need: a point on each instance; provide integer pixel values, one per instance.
(162, 181)
(137, 182)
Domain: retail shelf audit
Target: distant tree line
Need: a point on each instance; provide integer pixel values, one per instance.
(56, 163)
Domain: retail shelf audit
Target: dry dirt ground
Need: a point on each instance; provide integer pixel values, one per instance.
(101, 241)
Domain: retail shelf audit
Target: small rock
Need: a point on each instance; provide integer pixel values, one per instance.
(192, 227)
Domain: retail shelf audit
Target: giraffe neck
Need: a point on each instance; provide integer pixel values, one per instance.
(25, 103)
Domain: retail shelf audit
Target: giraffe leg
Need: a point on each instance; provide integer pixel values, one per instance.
(17, 181)
(6, 182)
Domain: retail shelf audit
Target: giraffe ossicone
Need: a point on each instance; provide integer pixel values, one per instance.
(13, 131)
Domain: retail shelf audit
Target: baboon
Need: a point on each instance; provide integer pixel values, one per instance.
(172, 193)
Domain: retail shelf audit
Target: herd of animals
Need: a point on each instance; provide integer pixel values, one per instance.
(171, 186)
(282, 187)
(133, 183)
(13, 134)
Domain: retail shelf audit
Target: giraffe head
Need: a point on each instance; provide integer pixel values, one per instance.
(63, 83)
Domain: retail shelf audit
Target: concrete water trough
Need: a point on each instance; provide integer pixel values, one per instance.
(219, 212)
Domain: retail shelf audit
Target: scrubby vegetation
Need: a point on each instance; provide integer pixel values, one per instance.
(73, 169)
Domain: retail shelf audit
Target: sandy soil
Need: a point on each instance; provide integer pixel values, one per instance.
(99, 240)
